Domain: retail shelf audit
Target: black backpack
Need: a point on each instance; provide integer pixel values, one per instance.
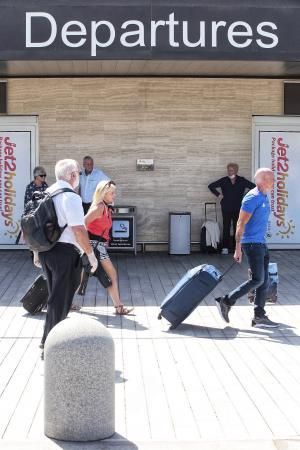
(39, 221)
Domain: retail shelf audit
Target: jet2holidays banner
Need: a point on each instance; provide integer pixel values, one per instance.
(15, 148)
(281, 152)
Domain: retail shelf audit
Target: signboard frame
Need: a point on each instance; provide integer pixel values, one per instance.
(11, 125)
(272, 137)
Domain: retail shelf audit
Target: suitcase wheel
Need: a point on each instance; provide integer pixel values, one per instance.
(159, 316)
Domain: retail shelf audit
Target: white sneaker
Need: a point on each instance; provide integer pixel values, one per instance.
(224, 251)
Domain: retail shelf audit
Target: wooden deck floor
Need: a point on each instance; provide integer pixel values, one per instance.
(204, 380)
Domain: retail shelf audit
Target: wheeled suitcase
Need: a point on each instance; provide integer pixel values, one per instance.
(272, 294)
(36, 297)
(193, 287)
(204, 248)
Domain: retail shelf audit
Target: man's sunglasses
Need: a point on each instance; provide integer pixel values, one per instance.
(43, 176)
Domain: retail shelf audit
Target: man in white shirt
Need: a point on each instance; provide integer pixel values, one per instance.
(89, 178)
(61, 264)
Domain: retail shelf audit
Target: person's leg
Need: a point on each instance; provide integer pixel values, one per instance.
(113, 290)
(63, 263)
(255, 254)
(226, 228)
(261, 291)
(74, 280)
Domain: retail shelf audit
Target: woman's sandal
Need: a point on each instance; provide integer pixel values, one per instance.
(122, 310)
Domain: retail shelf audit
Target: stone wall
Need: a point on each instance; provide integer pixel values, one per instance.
(191, 127)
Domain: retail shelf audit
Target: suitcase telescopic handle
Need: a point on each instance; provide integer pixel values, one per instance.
(205, 209)
(228, 270)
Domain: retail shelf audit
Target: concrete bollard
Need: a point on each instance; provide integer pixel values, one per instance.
(79, 381)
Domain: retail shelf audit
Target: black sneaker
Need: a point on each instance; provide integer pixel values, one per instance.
(263, 322)
(223, 307)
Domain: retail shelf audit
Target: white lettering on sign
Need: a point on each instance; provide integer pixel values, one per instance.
(65, 32)
(273, 38)
(103, 33)
(139, 33)
(94, 30)
(53, 29)
(235, 30)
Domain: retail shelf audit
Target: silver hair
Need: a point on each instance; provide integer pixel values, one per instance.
(64, 168)
(262, 173)
(38, 170)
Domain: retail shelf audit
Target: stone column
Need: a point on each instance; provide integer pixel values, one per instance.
(79, 381)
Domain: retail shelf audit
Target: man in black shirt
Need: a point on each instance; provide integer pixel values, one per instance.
(233, 188)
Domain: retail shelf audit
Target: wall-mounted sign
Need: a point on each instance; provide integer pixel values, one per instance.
(85, 29)
(144, 164)
(122, 233)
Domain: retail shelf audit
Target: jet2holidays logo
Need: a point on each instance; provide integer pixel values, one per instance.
(285, 226)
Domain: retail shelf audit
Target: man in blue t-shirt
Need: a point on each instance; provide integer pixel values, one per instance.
(250, 238)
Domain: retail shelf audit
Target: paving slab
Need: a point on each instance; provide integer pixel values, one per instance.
(206, 385)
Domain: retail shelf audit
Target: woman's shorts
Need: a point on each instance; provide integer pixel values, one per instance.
(100, 246)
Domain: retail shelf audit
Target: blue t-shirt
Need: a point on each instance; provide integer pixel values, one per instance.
(257, 204)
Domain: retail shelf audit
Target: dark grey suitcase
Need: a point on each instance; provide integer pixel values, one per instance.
(36, 297)
(193, 287)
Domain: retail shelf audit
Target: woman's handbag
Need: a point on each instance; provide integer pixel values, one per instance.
(99, 272)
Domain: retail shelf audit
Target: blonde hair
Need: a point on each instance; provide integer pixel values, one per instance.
(103, 187)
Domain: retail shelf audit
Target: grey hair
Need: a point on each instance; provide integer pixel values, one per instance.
(235, 166)
(38, 170)
(64, 168)
(262, 173)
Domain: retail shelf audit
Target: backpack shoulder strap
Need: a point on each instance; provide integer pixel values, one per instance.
(61, 190)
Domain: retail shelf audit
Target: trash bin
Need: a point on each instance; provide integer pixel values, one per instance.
(179, 233)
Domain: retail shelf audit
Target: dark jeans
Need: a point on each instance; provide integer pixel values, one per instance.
(228, 217)
(62, 267)
(258, 259)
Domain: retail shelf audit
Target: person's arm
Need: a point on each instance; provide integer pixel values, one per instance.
(82, 238)
(248, 184)
(75, 220)
(213, 187)
(93, 213)
(244, 218)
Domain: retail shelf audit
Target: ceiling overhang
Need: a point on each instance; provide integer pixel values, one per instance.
(204, 38)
